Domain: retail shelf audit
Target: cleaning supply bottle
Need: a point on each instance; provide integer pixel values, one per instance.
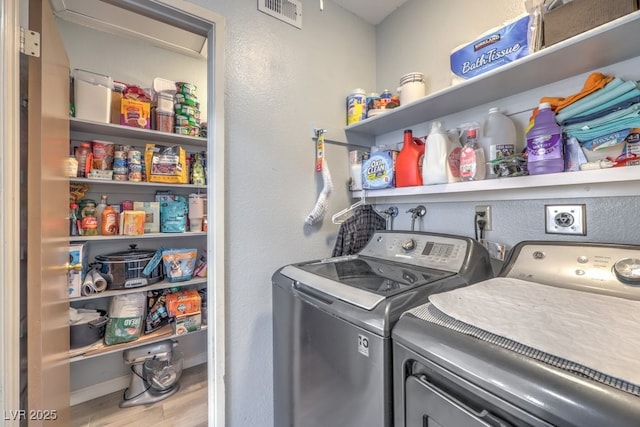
(409, 160)
(545, 143)
(454, 148)
(498, 137)
(472, 160)
(434, 167)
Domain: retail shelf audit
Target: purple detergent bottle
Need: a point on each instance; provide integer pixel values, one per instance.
(545, 143)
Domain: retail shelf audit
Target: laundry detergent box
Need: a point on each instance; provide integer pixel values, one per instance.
(497, 47)
(379, 170)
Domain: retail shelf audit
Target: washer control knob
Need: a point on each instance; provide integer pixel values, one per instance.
(409, 245)
(627, 270)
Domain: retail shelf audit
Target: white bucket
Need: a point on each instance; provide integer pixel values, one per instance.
(412, 88)
(92, 96)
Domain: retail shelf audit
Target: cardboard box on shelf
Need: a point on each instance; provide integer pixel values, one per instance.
(185, 324)
(183, 303)
(578, 16)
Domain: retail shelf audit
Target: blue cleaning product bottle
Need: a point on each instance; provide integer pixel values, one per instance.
(545, 143)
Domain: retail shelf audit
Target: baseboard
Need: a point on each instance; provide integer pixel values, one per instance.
(120, 383)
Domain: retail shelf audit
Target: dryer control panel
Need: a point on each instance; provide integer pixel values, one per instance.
(608, 269)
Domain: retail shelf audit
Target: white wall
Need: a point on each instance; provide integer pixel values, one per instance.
(281, 81)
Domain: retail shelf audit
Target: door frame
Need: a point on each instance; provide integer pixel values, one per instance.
(10, 206)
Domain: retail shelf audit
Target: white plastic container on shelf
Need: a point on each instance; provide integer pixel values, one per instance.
(499, 137)
(92, 96)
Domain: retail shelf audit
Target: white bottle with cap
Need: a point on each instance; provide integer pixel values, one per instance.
(499, 137)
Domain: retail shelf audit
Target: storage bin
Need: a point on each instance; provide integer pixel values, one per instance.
(578, 16)
(92, 95)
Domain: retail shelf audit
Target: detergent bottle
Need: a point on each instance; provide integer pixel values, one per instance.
(453, 156)
(409, 161)
(545, 143)
(435, 165)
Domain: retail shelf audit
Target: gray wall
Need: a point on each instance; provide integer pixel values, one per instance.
(281, 82)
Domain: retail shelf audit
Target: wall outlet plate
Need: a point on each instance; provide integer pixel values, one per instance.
(486, 210)
(566, 219)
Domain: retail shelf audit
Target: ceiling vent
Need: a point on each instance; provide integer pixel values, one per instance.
(289, 11)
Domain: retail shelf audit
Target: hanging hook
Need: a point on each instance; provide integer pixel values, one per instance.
(319, 132)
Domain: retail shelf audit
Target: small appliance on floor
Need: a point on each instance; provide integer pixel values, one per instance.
(155, 371)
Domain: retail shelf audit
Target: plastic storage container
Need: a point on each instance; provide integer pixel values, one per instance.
(545, 143)
(499, 137)
(411, 88)
(434, 166)
(92, 94)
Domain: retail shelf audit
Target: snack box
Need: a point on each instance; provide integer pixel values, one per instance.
(152, 217)
(498, 46)
(183, 303)
(135, 113)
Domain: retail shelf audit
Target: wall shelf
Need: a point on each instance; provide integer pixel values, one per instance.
(622, 181)
(607, 44)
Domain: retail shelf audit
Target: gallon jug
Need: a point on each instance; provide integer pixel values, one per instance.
(498, 137)
(545, 143)
(409, 161)
(434, 166)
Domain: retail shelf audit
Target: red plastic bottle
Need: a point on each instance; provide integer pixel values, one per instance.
(409, 161)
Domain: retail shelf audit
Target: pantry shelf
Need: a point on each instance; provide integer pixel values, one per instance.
(138, 236)
(622, 181)
(160, 285)
(101, 349)
(113, 130)
(136, 184)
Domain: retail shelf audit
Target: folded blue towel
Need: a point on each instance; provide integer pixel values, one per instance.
(617, 87)
(623, 119)
(614, 105)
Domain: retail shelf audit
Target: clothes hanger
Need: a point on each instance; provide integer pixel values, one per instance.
(343, 215)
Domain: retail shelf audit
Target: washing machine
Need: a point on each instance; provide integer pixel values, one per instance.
(553, 340)
(332, 321)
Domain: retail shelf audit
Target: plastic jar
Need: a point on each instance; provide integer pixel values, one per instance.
(411, 88)
(82, 155)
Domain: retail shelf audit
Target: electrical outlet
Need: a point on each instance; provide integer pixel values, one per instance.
(566, 219)
(485, 211)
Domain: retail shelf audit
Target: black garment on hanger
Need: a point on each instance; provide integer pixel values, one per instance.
(356, 231)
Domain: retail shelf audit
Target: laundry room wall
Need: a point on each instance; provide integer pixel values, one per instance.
(281, 82)
(420, 36)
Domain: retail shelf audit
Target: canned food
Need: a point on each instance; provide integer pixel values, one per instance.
(135, 157)
(184, 98)
(187, 130)
(186, 88)
(356, 106)
(181, 120)
(120, 176)
(186, 110)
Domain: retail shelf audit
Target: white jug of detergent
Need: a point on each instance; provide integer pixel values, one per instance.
(435, 165)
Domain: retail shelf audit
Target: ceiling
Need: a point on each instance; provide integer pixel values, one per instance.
(372, 11)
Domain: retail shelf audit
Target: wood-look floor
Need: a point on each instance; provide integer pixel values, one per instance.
(186, 408)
